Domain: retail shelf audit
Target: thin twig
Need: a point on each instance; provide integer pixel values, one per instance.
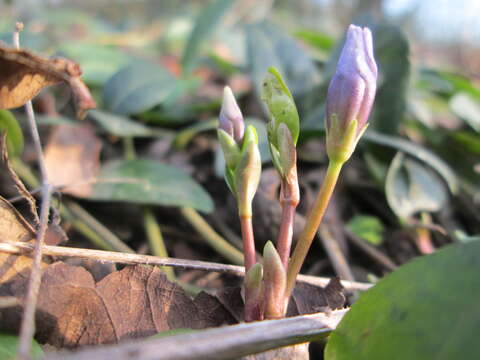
(227, 342)
(19, 248)
(335, 254)
(27, 327)
(371, 251)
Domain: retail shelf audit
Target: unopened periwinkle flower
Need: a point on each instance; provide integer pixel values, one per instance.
(351, 94)
(231, 119)
(240, 149)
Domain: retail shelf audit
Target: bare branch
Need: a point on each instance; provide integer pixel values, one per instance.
(236, 340)
(27, 328)
(127, 258)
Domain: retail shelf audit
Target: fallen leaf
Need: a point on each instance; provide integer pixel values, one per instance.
(72, 159)
(23, 75)
(13, 227)
(135, 302)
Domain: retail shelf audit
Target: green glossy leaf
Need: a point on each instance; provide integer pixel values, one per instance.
(268, 46)
(204, 26)
(138, 87)
(145, 181)
(119, 125)
(411, 187)
(427, 309)
(9, 345)
(468, 108)
(367, 227)
(10, 125)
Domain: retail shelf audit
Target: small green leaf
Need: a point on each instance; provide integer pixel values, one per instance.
(9, 124)
(204, 26)
(138, 87)
(281, 106)
(367, 227)
(9, 345)
(145, 181)
(427, 309)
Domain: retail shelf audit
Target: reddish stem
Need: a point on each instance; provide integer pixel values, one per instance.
(284, 240)
(248, 242)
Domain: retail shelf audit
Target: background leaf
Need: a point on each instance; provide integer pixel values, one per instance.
(206, 22)
(268, 46)
(138, 87)
(119, 125)
(427, 309)
(392, 56)
(145, 181)
(410, 187)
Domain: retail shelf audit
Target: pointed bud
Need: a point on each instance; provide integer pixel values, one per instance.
(281, 106)
(253, 293)
(275, 282)
(247, 172)
(351, 94)
(231, 118)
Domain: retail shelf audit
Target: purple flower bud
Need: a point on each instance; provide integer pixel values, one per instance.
(231, 119)
(352, 89)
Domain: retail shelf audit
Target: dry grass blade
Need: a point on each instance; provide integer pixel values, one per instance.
(24, 193)
(236, 340)
(127, 258)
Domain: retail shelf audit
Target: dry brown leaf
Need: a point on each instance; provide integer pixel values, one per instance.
(13, 227)
(23, 75)
(135, 302)
(72, 158)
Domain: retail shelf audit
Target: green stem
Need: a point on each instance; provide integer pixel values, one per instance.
(155, 239)
(129, 148)
(213, 239)
(313, 220)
